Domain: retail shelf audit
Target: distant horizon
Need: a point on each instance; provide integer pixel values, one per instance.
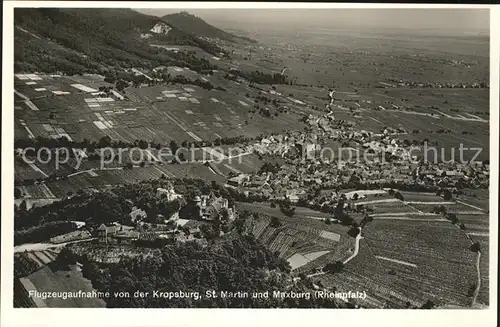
(458, 20)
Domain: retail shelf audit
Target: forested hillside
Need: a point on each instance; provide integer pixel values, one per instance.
(94, 40)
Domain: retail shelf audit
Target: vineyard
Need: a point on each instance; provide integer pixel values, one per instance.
(30, 261)
(450, 207)
(420, 196)
(475, 224)
(288, 241)
(408, 261)
(304, 216)
(23, 171)
(390, 207)
(72, 236)
(110, 254)
(24, 265)
(304, 246)
(364, 274)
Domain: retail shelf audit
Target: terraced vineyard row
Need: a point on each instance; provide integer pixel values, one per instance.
(340, 252)
(288, 240)
(417, 262)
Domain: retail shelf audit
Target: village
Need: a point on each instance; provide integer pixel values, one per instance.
(361, 160)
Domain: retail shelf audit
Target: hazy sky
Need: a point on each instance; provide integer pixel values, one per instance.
(449, 19)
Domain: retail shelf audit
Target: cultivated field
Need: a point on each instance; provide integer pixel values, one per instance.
(413, 262)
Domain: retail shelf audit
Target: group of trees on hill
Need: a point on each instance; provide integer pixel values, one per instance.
(43, 231)
(234, 263)
(41, 223)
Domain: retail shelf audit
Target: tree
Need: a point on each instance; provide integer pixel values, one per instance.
(65, 259)
(391, 192)
(186, 230)
(17, 193)
(275, 222)
(355, 196)
(224, 215)
(353, 232)
(475, 247)
(152, 212)
(334, 267)
(104, 142)
(23, 206)
(210, 232)
(452, 217)
(173, 147)
(366, 219)
(447, 195)
(428, 305)
(180, 158)
(399, 196)
(287, 209)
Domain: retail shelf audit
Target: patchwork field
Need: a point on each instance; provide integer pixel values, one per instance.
(78, 110)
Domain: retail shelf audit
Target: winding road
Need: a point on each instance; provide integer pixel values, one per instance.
(356, 248)
(476, 291)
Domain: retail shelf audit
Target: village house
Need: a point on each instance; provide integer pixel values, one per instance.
(115, 233)
(103, 232)
(238, 180)
(212, 206)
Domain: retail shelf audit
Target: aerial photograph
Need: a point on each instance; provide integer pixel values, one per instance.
(251, 158)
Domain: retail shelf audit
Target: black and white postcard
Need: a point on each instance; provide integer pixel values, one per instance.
(249, 156)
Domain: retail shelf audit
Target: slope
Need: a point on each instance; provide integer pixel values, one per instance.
(93, 40)
(194, 25)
